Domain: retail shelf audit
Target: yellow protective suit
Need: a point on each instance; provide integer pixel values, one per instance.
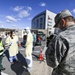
(29, 45)
(13, 48)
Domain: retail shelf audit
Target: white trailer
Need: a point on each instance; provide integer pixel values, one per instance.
(20, 32)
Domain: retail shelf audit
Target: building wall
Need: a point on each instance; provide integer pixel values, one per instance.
(50, 19)
(44, 20)
(49, 22)
(38, 22)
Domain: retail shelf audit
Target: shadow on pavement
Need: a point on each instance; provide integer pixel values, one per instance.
(35, 57)
(18, 68)
(22, 59)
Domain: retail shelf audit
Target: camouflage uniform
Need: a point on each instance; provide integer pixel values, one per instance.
(1, 53)
(60, 54)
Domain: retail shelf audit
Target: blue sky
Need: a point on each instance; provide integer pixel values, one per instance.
(19, 13)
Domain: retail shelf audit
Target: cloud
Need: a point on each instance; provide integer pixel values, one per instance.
(22, 11)
(42, 4)
(14, 25)
(1, 22)
(29, 18)
(19, 19)
(1, 25)
(18, 8)
(10, 19)
(29, 8)
(23, 14)
(73, 11)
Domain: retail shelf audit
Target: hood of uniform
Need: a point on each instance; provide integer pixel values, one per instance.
(28, 29)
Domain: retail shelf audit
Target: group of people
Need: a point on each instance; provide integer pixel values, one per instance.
(12, 42)
(60, 53)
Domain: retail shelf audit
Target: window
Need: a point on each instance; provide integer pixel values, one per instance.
(37, 24)
(41, 21)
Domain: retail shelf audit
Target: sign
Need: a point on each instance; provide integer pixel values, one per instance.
(49, 18)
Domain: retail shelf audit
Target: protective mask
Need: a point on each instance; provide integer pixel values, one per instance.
(13, 34)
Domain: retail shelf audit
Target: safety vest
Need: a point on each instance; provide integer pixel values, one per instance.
(1, 48)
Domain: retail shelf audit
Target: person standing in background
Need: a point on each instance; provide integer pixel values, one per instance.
(34, 39)
(28, 49)
(12, 42)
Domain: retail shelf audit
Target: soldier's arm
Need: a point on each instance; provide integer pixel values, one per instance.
(55, 52)
(50, 54)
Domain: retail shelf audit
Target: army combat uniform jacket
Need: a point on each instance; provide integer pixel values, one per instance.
(60, 54)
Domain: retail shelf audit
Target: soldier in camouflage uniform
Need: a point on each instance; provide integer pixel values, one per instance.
(60, 54)
(1, 55)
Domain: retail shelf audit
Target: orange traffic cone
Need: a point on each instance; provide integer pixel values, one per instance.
(41, 56)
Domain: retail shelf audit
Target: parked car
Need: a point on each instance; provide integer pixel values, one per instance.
(38, 41)
(42, 35)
